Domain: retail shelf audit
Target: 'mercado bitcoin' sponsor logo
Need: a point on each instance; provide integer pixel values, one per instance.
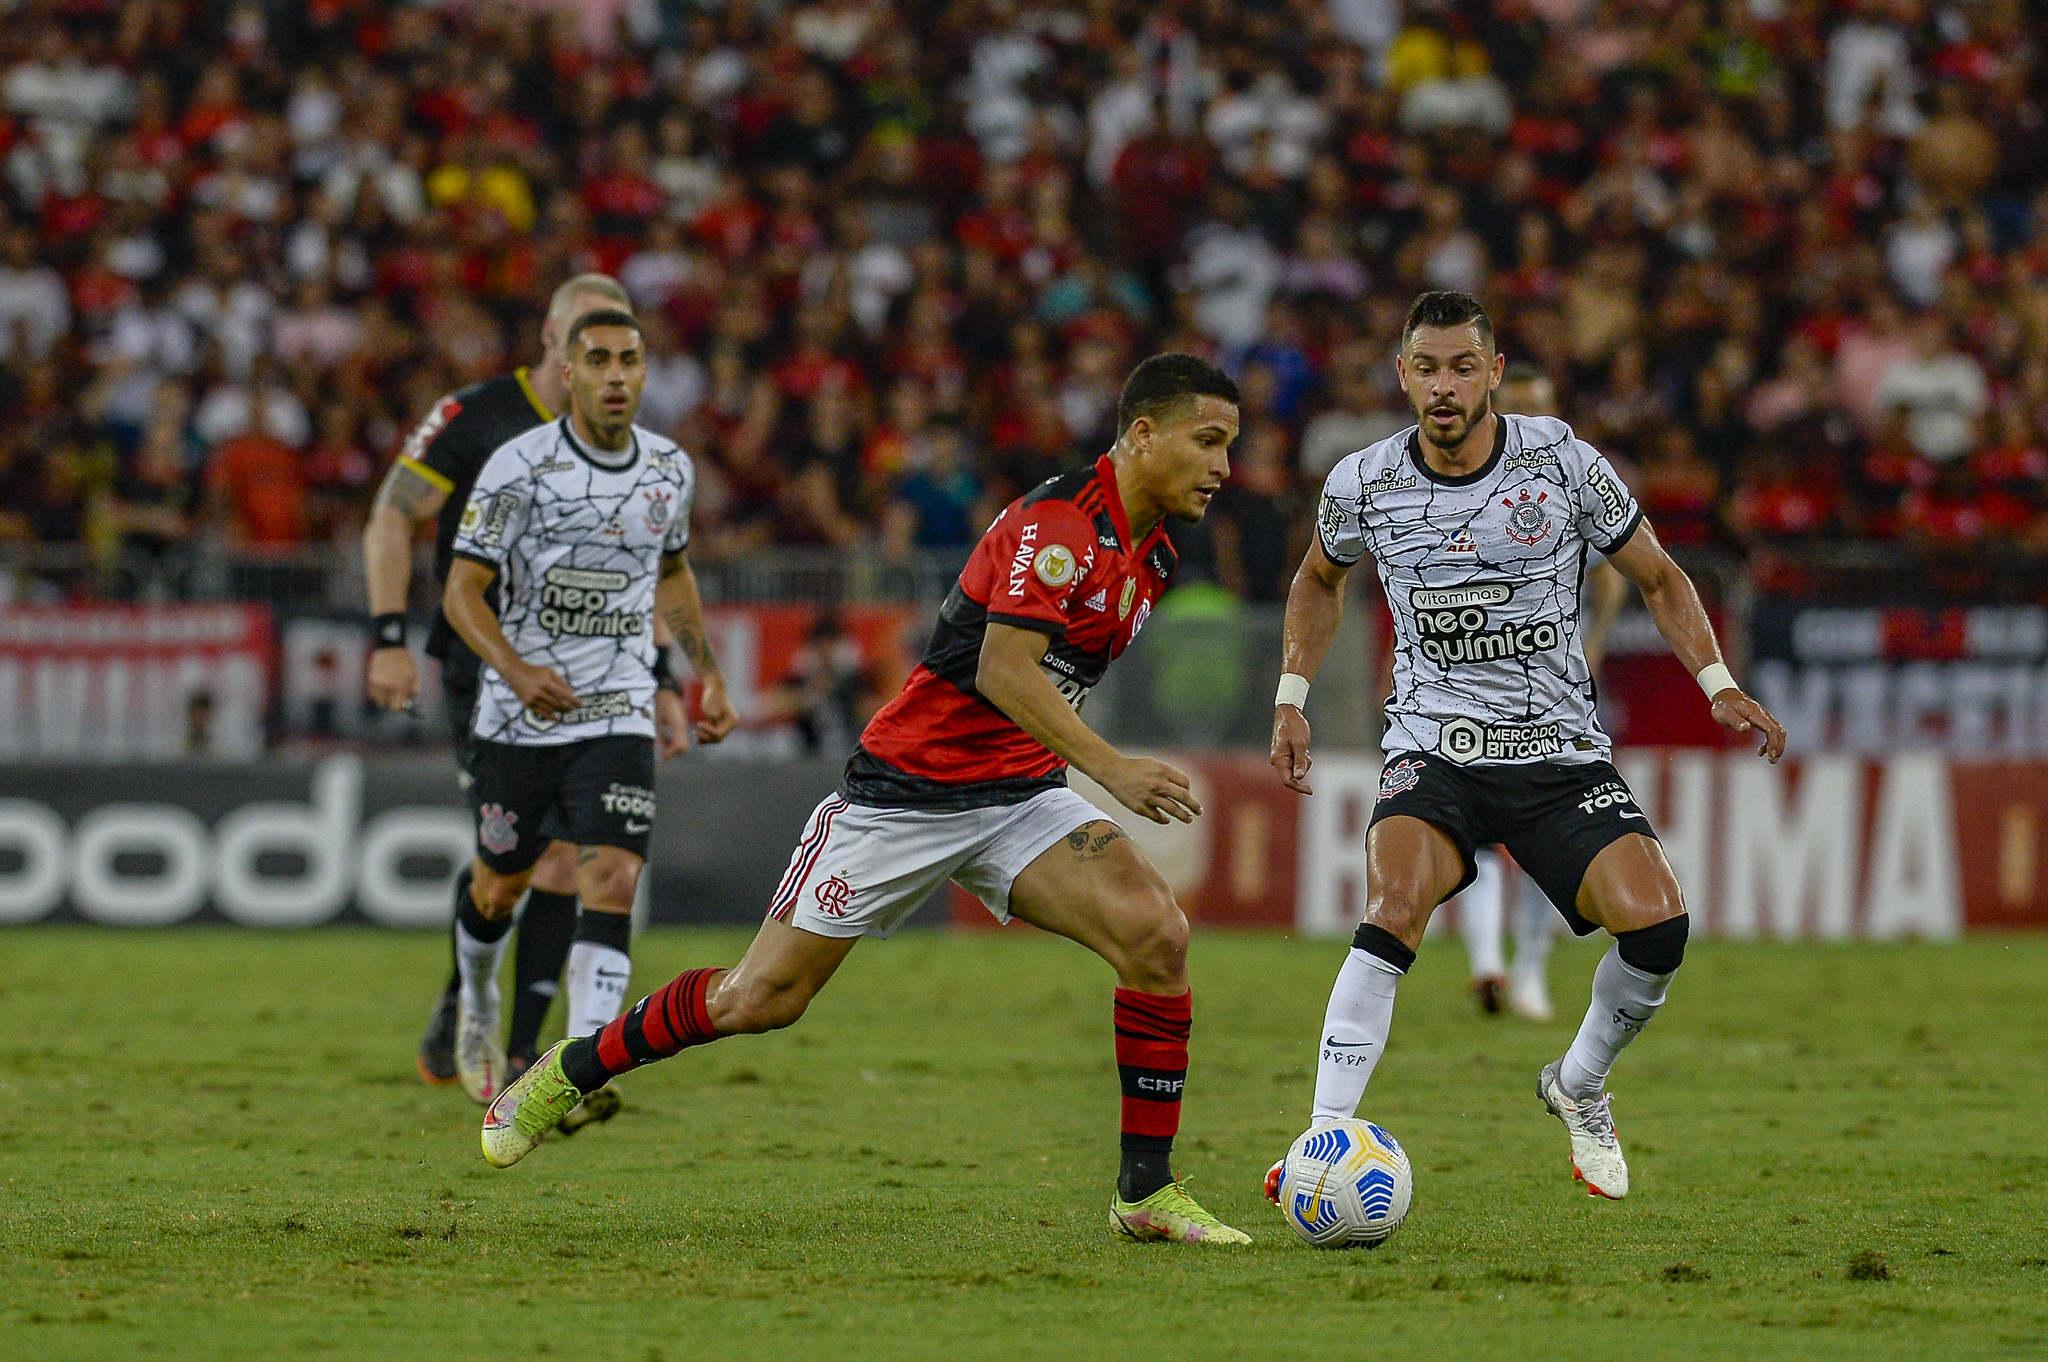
(610, 704)
(1454, 626)
(1467, 740)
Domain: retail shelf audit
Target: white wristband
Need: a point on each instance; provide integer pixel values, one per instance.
(1293, 690)
(1715, 678)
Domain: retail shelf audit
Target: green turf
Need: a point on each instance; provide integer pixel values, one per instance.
(215, 1147)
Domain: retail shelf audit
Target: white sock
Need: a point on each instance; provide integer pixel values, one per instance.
(1535, 930)
(1354, 1033)
(477, 962)
(479, 947)
(1479, 918)
(1624, 1000)
(600, 968)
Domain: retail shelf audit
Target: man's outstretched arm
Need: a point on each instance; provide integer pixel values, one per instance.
(404, 502)
(679, 610)
(1675, 605)
(1315, 606)
(1010, 678)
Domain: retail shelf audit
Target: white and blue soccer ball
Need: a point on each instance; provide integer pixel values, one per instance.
(1345, 1184)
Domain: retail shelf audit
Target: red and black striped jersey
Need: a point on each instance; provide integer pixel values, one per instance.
(1058, 560)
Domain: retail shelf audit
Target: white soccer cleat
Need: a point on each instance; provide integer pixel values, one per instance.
(1596, 1151)
(480, 1062)
(1529, 997)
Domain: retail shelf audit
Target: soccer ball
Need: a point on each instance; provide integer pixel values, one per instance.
(1345, 1184)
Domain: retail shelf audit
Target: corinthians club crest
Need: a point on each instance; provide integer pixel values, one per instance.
(657, 509)
(1528, 522)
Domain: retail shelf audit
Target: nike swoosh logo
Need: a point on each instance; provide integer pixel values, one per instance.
(612, 974)
(1346, 1044)
(642, 827)
(1626, 813)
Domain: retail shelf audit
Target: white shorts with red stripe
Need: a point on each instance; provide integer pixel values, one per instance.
(860, 870)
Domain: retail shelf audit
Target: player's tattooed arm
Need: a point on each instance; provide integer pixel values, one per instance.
(1674, 604)
(1315, 606)
(410, 494)
(404, 501)
(681, 608)
(1009, 677)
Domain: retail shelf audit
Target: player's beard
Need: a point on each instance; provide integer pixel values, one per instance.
(1458, 434)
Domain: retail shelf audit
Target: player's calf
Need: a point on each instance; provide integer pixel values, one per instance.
(1628, 987)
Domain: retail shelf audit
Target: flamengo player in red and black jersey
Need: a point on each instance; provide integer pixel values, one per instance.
(963, 777)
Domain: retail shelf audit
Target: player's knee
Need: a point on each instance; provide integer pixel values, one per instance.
(555, 872)
(1656, 949)
(1156, 952)
(496, 895)
(610, 887)
(1400, 909)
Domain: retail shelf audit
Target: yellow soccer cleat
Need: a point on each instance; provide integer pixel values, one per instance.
(1170, 1215)
(524, 1113)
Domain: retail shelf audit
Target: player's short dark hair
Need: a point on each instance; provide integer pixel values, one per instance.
(1522, 371)
(1447, 308)
(1163, 380)
(604, 316)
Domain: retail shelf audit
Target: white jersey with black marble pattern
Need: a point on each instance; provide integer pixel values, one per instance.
(1483, 576)
(577, 535)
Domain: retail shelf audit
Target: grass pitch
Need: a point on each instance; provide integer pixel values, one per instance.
(215, 1147)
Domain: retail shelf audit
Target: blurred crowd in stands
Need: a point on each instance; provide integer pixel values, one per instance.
(1787, 259)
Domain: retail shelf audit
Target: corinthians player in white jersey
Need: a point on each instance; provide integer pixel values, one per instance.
(1480, 525)
(583, 524)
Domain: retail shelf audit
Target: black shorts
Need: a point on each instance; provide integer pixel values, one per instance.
(1552, 817)
(598, 792)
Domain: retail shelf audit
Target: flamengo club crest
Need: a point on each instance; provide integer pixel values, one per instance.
(657, 509)
(835, 896)
(1528, 522)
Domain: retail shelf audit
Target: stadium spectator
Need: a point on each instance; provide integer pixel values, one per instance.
(1721, 217)
(258, 484)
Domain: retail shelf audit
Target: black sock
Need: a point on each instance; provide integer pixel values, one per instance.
(480, 928)
(454, 970)
(582, 1067)
(547, 925)
(1147, 1166)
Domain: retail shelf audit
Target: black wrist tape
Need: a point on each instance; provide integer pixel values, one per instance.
(664, 674)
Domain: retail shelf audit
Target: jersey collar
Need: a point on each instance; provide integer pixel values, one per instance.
(526, 386)
(590, 456)
(1500, 445)
(1105, 473)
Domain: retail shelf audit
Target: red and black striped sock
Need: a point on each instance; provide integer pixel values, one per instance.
(1152, 1061)
(671, 1019)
